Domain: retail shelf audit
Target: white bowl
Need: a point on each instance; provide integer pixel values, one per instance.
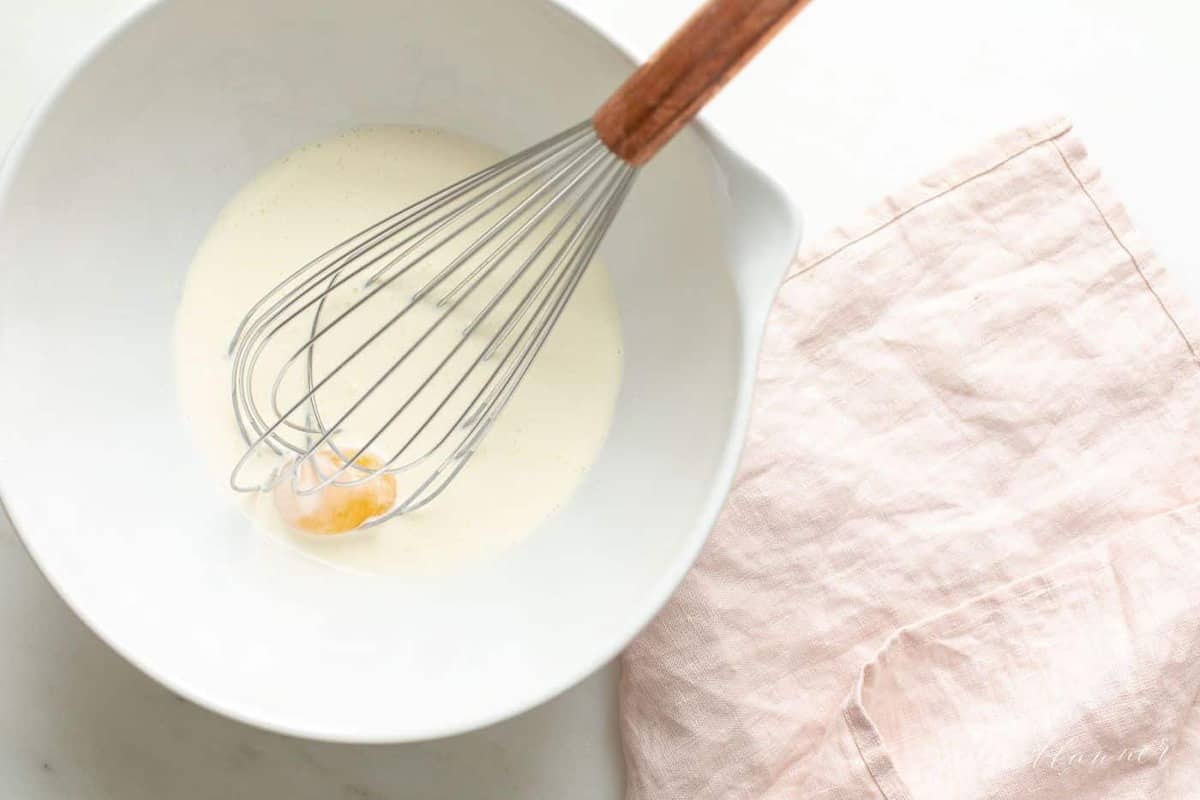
(103, 201)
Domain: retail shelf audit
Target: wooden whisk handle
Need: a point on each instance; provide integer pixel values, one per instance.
(667, 91)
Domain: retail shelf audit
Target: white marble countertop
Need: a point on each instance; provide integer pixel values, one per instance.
(857, 98)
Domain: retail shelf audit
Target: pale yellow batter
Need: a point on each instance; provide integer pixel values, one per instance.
(541, 446)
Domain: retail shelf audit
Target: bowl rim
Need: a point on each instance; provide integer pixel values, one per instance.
(724, 155)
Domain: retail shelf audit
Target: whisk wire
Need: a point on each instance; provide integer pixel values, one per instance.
(293, 300)
(488, 263)
(551, 204)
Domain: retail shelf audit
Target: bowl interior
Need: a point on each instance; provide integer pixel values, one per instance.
(105, 203)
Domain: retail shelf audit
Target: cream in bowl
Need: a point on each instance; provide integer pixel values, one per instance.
(531, 461)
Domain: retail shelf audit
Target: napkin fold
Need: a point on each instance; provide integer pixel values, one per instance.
(962, 555)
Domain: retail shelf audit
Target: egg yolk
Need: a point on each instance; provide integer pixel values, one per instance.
(334, 509)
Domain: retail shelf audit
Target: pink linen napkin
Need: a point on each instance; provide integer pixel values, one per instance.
(962, 555)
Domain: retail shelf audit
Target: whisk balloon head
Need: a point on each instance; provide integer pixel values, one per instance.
(396, 350)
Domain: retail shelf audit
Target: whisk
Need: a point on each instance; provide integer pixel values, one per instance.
(455, 295)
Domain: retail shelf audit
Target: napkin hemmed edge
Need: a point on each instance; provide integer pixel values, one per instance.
(1054, 131)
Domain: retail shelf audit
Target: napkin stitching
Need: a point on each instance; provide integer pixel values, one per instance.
(875, 757)
(1132, 258)
(1058, 133)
